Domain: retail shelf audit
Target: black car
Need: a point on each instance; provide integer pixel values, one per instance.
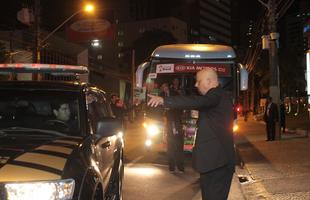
(58, 140)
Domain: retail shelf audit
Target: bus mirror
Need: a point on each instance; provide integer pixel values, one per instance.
(244, 77)
(139, 74)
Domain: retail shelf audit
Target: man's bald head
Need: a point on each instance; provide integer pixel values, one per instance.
(206, 79)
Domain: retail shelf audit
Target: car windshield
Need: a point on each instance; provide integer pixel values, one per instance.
(39, 112)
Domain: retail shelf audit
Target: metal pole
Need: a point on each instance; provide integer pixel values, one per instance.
(252, 104)
(132, 83)
(59, 26)
(274, 84)
(11, 47)
(36, 52)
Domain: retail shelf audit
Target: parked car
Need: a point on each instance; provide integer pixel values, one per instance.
(58, 140)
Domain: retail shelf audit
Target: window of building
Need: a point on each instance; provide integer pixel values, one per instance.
(142, 30)
(120, 55)
(120, 44)
(120, 33)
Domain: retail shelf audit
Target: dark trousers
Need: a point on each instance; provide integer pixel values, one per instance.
(215, 185)
(175, 151)
(283, 125)
(271, 130)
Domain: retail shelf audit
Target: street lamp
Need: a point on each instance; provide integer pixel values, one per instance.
(88, 8)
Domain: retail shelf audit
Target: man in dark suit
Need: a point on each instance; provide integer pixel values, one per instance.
(175, 137)
(213, 153)
(271, 117)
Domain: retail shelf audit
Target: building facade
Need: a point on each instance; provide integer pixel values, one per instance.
(294, 31)
(211, 21)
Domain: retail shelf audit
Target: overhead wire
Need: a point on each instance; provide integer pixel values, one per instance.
(253, 54)
(249, 57)
(284, 8)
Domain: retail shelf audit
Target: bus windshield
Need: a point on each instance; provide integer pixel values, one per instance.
(182, 75)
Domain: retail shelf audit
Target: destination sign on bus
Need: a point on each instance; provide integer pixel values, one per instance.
(221, 69)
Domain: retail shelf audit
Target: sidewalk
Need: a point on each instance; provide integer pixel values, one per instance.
(276, 170)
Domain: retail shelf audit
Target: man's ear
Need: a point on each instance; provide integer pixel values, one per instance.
(55, 112)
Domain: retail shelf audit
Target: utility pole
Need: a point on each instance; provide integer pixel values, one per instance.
(274, 83)
(253, 91)
(36, 50)
(133, 82)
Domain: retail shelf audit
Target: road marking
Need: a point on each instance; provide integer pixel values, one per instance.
(134, 161)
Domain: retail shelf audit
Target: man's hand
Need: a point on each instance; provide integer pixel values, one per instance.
(155, 101)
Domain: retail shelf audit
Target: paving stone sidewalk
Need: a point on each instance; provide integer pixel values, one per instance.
(275, 170)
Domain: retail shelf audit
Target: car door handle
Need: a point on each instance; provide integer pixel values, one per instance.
(105, 145)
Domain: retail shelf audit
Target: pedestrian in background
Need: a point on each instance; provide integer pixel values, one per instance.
(175, 136)
(271, 117)
(118, 107)
(175, 86)
(282, 117)
(213, 153)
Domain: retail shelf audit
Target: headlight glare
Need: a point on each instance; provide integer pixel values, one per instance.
(235, 128)
(152, 130)
(45, 190)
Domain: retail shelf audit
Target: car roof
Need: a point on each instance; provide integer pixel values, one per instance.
(43, 85)
(194, 51)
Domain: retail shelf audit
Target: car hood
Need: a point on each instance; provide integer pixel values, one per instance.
(25, 158)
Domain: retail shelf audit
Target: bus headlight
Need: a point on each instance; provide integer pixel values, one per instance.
(148, 143)
(45, 190)
(235, 128)
(152, 130)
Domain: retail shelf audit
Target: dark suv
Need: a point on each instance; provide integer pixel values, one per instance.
(58, 140)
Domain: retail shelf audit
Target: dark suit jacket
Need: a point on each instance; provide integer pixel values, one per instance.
(214, 146)
(173, 115)
(273, 113)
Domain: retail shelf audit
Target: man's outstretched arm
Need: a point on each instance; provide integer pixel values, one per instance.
(186, 102)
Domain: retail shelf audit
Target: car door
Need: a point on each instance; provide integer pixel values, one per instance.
(105, 109)
(103, 153)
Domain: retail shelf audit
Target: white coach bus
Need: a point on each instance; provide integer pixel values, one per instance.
(179, 63)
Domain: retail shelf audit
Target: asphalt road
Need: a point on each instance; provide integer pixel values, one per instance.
(146, 172)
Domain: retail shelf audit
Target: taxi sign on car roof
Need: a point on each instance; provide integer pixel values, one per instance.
(42, 68)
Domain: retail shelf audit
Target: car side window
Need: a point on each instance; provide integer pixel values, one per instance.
(97, 109)
(103, 107)
(93, 115)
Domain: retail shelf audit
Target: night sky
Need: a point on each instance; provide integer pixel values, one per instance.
(55, 11)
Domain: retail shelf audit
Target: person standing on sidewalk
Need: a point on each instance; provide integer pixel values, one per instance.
(282, 117)
(271, 117)
(213, 153)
